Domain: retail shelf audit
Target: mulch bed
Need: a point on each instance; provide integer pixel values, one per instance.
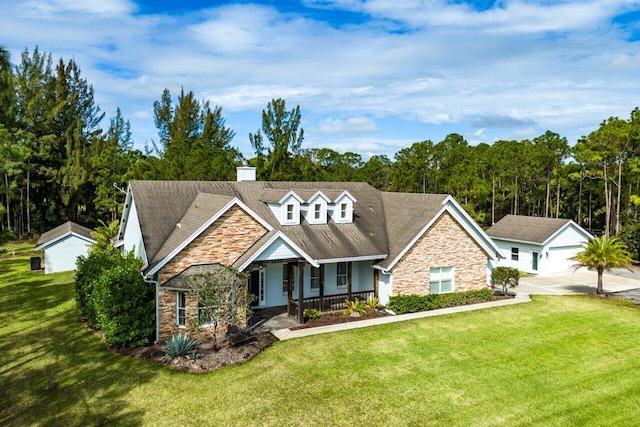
(208, 360)
(334, 317)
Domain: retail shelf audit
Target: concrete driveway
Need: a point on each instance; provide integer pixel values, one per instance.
(581, 282)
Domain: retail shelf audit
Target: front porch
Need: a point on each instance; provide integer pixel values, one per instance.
(298, 285)
(327, 302)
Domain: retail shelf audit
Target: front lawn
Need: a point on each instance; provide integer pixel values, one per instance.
(555, 361)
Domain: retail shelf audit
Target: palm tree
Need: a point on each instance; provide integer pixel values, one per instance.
(602, 254)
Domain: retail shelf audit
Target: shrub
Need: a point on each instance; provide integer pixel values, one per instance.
(123, 303)
(311, 313)
(89, 270)
(372, 303)
(354, 308)
(180, 345)
(401, 304)
(505, 277)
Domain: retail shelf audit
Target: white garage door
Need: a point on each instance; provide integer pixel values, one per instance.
(559, 259)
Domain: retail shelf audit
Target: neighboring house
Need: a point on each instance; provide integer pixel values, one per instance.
(63, 245)
(538, 245)
(319, 242)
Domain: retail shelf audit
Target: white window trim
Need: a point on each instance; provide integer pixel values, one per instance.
(453, 285)
(311, 218)
(515, 254)
(183, 308)
(311, 277)
(337, 213)
(295, 213)
(346, 275)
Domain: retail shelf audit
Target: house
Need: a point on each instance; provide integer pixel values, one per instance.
(304, 244)
(63, 245)
(538, 245)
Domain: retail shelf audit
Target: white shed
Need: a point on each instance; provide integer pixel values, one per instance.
(63, 245)
(538, 245)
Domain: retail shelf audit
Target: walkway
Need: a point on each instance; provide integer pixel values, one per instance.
(287, 334)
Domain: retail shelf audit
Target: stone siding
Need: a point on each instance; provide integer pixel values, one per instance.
(445, 244)
(223, 242)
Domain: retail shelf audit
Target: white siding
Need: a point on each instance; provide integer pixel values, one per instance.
(384, 288)
(133, 234)
(62, 254)
(525, 256)
(277, 250)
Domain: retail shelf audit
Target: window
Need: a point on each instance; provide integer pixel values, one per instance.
(285, 279)
(317, 211)
(440, 280)
(341, 274)
(343, 210)
(515, 254)
(181, 311)
(203, 319)
(289, 212)
(315, 278)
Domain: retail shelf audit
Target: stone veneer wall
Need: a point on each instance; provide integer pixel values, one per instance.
(224, 242)
(445, 244)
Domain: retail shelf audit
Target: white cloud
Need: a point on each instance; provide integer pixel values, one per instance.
(354, 125)
(529, 65)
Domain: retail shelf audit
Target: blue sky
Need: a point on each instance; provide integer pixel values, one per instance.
(369, 76)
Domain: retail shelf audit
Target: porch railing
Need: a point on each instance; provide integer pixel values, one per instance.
(329, 302)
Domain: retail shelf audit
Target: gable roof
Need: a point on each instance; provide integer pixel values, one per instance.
(62, 231)
(530, 229)
(171, 212)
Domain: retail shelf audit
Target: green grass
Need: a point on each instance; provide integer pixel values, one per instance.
(555, 361)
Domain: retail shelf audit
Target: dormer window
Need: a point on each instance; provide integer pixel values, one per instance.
(343, 210)
(316, 212)
(289, 207)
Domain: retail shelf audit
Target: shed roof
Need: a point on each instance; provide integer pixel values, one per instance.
(62, 231)
(529, 229)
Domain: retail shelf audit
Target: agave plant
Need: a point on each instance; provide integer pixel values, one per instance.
(180, 345)
(373, 303)
(354, 308)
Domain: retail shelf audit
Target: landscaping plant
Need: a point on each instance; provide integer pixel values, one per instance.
(355, 308)
(505, 278)
(311, 313)
(222, 297)
(180, 345)
(373, 304)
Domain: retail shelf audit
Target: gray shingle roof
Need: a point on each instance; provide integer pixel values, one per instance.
(384, 223)
(61, 231)
(181, 280)
(526, 228)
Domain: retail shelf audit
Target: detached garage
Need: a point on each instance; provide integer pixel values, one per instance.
(63, 245)
(538, 245)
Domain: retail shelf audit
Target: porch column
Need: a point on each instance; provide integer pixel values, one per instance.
(376, 282)
(321, 290)
(301, 292)
(349, 271)
(289, 287)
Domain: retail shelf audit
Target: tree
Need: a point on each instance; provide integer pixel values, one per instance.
(506, 278)
(222, 298)
(194, 140)
(280, 127)
(601, 254)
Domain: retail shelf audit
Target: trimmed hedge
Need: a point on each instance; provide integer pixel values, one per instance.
(112, 296)
(401, 304)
